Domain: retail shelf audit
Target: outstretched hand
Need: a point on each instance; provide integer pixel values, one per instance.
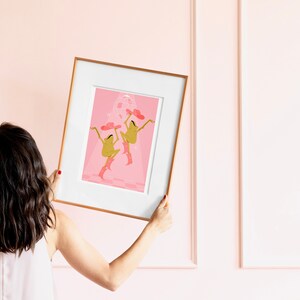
(161, 218)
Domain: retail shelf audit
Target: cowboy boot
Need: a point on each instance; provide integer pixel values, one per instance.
(129, 159)
(101, 174)
(109, 162)
(126, 149)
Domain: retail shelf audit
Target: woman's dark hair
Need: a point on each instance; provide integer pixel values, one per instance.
(133, 123)
(24, 191)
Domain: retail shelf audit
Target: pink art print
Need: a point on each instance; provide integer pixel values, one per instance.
(120, 139)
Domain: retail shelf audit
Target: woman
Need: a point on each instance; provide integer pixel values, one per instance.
(32, 230)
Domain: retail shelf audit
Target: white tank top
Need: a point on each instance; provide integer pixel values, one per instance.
(28, 277)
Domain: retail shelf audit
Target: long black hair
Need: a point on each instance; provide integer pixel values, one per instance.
(24, 191)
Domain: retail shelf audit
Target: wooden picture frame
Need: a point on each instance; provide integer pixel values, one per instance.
(119, 137)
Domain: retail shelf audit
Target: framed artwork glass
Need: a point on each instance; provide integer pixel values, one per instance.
(119, 137)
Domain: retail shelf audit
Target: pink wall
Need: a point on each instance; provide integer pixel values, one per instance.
(270, 70)
(38, 42)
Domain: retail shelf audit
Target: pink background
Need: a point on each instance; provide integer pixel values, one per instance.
(38, 43)
(109, 107)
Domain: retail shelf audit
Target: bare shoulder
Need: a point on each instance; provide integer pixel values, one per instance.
(61, 218)
(63, 223)
(62, 226)
(66, 231)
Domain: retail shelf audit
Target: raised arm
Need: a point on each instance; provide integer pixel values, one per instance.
(125, 122)
(99, 136)
(89, 262)
(116, 135)
(123, 266)
(145, 124)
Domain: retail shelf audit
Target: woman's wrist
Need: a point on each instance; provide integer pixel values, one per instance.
(152, 228)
